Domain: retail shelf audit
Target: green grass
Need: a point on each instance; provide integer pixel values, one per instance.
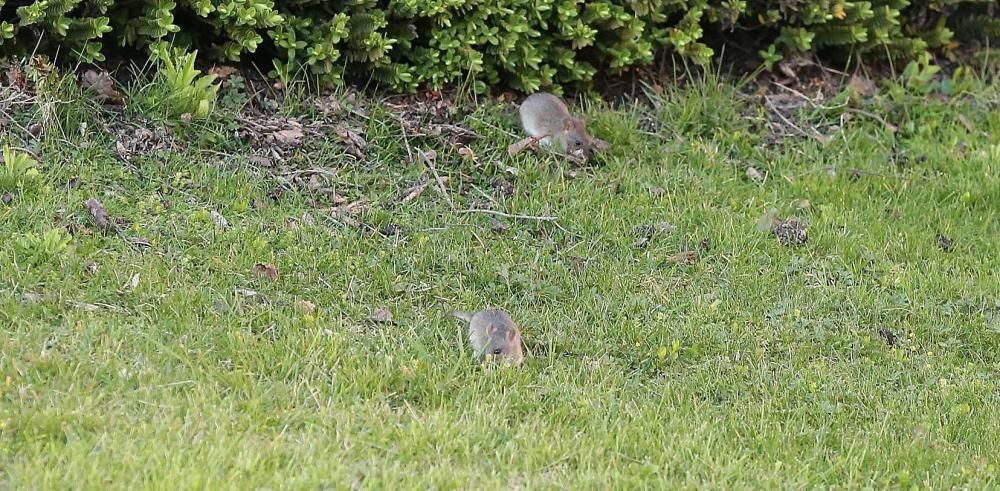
(759, 365)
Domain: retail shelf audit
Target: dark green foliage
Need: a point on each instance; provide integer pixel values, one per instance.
(524, 44)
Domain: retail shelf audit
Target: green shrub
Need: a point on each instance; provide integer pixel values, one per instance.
(524, 44)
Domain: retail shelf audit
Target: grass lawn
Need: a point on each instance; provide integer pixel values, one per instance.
(673, 342)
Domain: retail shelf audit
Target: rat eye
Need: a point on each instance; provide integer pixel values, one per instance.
(497, 351)
(578, 143)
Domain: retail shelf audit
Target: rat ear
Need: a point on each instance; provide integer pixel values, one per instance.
(569, 123)
(491, 330)
(510, 335)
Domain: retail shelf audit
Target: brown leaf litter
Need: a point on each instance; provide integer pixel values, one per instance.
(103, 87)
(100, 214)
(141, 140)
(268, 271)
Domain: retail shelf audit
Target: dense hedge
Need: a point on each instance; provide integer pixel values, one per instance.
(525, 44)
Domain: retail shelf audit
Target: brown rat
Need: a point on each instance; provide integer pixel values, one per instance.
(493, 335)
(546, 118)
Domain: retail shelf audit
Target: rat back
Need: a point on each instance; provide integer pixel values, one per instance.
(543, 114)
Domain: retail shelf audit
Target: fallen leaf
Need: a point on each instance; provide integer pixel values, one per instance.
(132, 283)
(7, 198)
(971, 128)
(266, 271)
(31, 297)
(413, 192)
(140, 242)
(86, 307)
(519, 146)
(219, 220)
(103, 86)
(768, 220)
(99, 213)
(305, 306)
(390, 230)
(381, 314)
(686, 257)
(428, 155)
(755, 175)
(502, 187)
(244, 292)
(467, 153)
(35, 130)
(354, 142)
(861, 85)
(15, 77)
(288, 137)
(498, 226)
(223, 72)
(90, 268)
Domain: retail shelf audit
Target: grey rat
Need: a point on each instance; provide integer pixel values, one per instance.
(546, 118)
(493, 335)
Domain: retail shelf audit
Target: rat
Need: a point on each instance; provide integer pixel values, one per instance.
(493, 335)
(548, 121)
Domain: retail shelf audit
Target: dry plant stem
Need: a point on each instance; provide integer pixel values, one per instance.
(541, 218)
(437, 178)
(889, 126)
(517, 147)
(815, 134)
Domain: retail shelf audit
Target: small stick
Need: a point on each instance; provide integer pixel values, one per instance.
(516, 147)
(429, 162)
(542, 218)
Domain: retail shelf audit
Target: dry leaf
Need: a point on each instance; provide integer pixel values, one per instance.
(223, 72)
(288, 137)
(381, 314)
(103, 86)
(132, 283)
(31, 297)
(354, 142)
(467, 153)
(219, 219)
(243, 292)
(861, 85)
(266, 271)
(413, 192)
(305, 306)
(519, 146)
(498, 226)
(99, 213)
(140, 242)
(768, 220)
(755, 175)
(328, 105)
(15, 77)
(428, 156)
(686, 257)
(971, 128)
(86, 307)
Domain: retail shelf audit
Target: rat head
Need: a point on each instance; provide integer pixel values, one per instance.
(503, 345)
(578, 142)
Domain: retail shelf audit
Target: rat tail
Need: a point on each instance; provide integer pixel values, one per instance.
(465, 316)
